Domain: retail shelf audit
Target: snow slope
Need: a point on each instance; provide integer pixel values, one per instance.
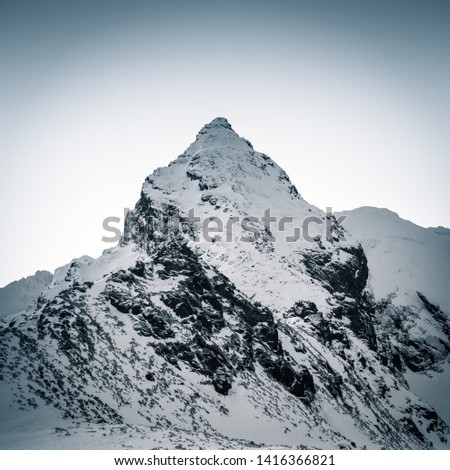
(409, 274)
(403, 257)
(19, 295)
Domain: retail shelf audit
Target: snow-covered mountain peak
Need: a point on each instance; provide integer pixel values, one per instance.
(216, 123)
(223, 163)
(219, 138)
(221, 177)
(258, 329)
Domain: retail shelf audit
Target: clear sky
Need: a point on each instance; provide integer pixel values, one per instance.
(351, 98)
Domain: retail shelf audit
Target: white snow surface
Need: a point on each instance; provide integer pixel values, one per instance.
(403, 258)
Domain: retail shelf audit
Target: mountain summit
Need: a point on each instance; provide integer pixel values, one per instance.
(218, 133)
(221, 176)
(231, 314)
(215, 124)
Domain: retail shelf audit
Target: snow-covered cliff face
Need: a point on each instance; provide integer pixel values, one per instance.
(234, 338)
(221, 176)
(409, 272)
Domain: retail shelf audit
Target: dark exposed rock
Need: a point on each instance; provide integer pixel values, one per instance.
(138, 269)
(123, 277)
(348, 277)
(267, 333)
(122, 303)
(222, 381)
(150, 376)
(159, 323)
(411, 427)
(302, 309)
(397, 361)
(416, 353)
(299, 383)
(437, 313)
(361, 322)
(334, 384)
(434, 422)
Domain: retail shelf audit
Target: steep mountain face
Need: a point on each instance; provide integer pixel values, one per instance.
(217, 323)
(409, 270)
(19, 295)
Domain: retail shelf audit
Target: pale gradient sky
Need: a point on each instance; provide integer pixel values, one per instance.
(351, 98)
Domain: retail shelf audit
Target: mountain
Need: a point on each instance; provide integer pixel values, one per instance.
(403, 258)
(19, 295)
(232, 314)
(409, 271)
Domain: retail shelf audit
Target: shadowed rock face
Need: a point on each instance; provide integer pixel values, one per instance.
(347, 280)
